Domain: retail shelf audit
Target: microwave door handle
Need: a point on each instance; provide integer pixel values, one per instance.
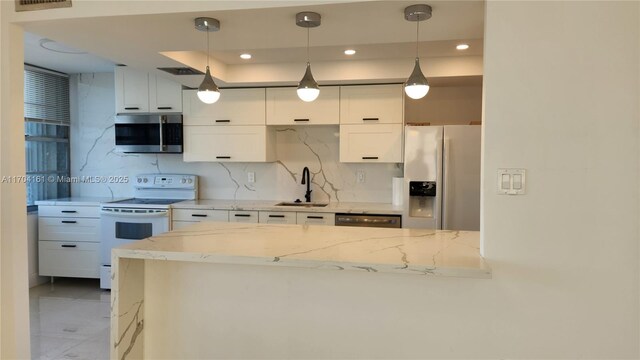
(163, 120)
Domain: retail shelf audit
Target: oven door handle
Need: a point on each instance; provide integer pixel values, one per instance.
(134, 215)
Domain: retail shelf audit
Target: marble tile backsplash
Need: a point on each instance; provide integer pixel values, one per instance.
(317, 147)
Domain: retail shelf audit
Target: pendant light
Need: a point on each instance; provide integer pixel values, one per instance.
(308, 89)
(208, 91)
(417, 86)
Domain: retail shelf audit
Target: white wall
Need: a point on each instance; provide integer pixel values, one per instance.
(92, 145)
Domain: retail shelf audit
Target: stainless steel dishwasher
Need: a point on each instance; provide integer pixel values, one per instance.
(369, 220)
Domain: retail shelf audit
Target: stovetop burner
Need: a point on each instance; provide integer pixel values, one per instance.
(142, 201)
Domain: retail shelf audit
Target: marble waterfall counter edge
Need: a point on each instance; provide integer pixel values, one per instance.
(213, 276)
(407, 251)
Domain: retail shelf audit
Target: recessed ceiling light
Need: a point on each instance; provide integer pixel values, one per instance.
(462, 47)
(59, 48)
(245, 56)
(349, 52)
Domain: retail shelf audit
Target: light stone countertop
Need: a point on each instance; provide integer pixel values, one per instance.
(269, 205)
(79, 201)
(375, 250)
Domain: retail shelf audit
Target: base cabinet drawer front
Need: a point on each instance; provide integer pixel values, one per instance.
(371, 104)
(316, 218)
(200, 215)
(229, 143)
(284, 107)
(235, 107)
(69, 259)
(371, 143)
(68, 211)
(69, 229)
(273, 217)
(243, 216)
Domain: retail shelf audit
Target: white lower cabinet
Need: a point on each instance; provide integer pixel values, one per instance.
(243, 216)
(379, 143)
(229, 143)
(312, 218)
(277, 217)
(185, 217)
(69, 241)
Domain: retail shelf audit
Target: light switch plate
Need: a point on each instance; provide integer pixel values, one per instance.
(511, 182)
(251, 177)
(360, 176)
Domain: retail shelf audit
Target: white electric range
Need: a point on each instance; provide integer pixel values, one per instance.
(145, 215)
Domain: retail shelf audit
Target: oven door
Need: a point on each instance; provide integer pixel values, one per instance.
(119, 228)
(149, 133)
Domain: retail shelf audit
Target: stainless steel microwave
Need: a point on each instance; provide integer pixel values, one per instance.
(149, 133)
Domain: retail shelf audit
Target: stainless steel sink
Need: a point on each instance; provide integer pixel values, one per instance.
(301, 204)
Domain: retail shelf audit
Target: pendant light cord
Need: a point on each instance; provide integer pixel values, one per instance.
(207, 45)
(417, 36)
(307, 45)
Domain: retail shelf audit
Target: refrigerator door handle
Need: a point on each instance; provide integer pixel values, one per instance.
(445, 182)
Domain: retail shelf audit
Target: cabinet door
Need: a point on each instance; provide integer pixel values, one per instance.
(371, 104)
(285, 108)
(164, 95)
(229, 143)
(277, 217)
(200, 215)
(310, 218)
(235, 107)
(69, 259)
(243, 216)
(371, 143)
(132, 90)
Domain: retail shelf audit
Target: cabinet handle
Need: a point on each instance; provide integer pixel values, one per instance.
(199, 215)
(69, 221)
(164, 108)
(315, 217)
(242, 215)
(223, 121)
(223, 157)
(276, 216)
(298, 120)
(68, 246)
(370, 119)
(369, 158)
(132, 108)
(68, 211)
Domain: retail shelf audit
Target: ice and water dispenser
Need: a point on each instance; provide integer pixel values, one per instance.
(422, 199)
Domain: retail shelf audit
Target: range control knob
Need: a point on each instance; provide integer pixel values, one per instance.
(139, 180)
(189, 181)
(145, 180)
(183, 181)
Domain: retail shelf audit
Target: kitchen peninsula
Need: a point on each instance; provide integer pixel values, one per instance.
(224, 290)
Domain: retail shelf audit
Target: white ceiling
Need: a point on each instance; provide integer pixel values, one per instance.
(377, 29)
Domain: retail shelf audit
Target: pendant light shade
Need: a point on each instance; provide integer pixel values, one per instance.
(308, 89)
(208, 91)
(417, 86)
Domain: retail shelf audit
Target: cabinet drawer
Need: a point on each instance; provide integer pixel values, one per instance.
(68, 211)
(61, 258)
(235, 107)
(243, 216)
(371, 104)
(69, 229)
(200, 215)
(229, 143)
(371, 143)
(285, 108)
(315, 218)
(272, 217)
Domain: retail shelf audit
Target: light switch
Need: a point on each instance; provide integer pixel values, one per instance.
(511, 181)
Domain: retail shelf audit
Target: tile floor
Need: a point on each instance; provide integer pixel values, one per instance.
(69, 320)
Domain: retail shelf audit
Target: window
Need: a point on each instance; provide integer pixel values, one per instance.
(46, 129)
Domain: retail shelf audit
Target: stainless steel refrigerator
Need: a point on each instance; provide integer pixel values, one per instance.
(442, 177)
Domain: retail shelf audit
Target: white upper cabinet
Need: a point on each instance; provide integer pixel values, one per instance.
(164, 95)
(229, 143)
(132, 90)
(371, 104)
(284, 107)
(140, 92)
(235, 107)
(380, 143)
